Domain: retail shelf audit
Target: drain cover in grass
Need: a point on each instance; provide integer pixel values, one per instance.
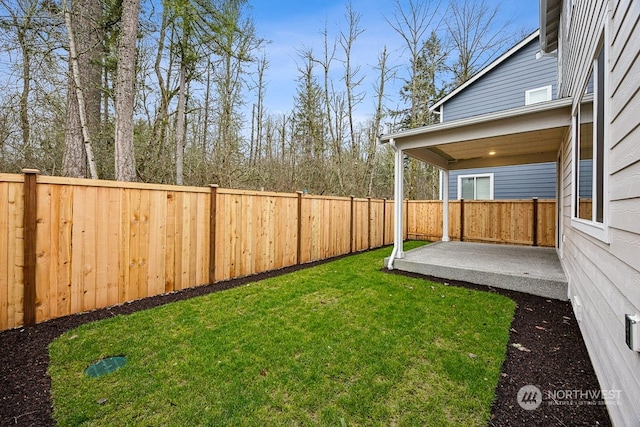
(105, 366)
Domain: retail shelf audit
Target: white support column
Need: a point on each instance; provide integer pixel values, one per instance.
(444, 180)
(398, 177)
(398, 235)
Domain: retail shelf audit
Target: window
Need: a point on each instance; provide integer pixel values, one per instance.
(541, 94)
(475, 187)
(588, 136)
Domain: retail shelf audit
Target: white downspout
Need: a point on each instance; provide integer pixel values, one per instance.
(398, 192)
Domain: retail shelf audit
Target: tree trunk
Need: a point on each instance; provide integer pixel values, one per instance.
(377, 120)
(207, 109)
(85, 36)
(24, 96)
(125, 166)
(180, 127)
(79, 95)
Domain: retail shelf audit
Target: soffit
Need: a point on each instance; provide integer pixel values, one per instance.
(531, 134)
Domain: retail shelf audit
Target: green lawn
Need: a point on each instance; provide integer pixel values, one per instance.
(341, 344)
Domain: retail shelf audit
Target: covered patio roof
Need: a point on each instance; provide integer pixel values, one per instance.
(529, 134)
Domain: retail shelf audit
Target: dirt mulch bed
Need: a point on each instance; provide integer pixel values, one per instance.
(545, 350)
(557, 360)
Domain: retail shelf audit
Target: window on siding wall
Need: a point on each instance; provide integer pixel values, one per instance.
(589, 147)
(541, 94)
(475, 187)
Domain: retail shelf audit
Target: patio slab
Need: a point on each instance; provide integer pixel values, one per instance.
(533, 270)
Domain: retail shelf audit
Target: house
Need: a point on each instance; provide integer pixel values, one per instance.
(521, 76)
(593, 138)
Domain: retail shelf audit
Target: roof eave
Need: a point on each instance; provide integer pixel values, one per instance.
(514, 112)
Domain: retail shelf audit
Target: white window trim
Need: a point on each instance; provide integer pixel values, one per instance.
(480, 175)
(592, 228)
(527, 94)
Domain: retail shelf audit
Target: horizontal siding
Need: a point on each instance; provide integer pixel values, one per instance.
(625, 130)
(605, 277)
(504, 87)
(580, 39)
(514, 182)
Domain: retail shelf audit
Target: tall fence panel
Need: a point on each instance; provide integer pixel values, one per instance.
(72, 245)
(424, 220)
(101, 243)
(325, 227)
(489, 221)
(499, 221)
(255, 232)
(546, 224)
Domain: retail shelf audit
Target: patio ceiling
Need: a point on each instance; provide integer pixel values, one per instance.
(530, 134)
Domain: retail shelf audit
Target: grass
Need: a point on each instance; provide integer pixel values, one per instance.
(340, 344)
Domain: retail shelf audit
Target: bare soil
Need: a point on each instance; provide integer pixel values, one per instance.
(556, 360)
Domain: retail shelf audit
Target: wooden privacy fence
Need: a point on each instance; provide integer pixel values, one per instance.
(519, 222)
(72, 245)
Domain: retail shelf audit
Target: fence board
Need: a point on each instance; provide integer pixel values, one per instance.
(203, 230)
(88, 267)
(45, 274)
(101, 228)
(77, 250)
(133, 261)
(178, 259)
(112, 244)
(5, 249)
(170, 238)
(188, 248)
(16, 254)
(64, 213)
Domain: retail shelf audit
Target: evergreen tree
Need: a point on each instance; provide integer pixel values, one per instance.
(427, 85)
(309, 128)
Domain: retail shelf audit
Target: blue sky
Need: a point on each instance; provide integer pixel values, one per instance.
(294, 25)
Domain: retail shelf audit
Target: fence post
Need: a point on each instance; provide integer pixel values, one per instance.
(384, 221)
(351, 231)
(406, 219)
(299, 248)
(212, 232)
(368, 222)
(30, 220)
(535, 221)
(461, 220)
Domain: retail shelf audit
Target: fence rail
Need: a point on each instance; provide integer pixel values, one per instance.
(72, 245)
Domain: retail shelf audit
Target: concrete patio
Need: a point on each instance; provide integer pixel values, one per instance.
(533, 270)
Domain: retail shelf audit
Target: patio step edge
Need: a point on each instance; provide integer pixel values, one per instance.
(554, 289)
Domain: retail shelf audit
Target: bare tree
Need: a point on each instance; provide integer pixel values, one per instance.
(257, 122)
(19, 20)
(233, 45)
(352, 80)
(125, 165)
(333, 111)
(412, 24)
(384, 76)
(475, 35)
